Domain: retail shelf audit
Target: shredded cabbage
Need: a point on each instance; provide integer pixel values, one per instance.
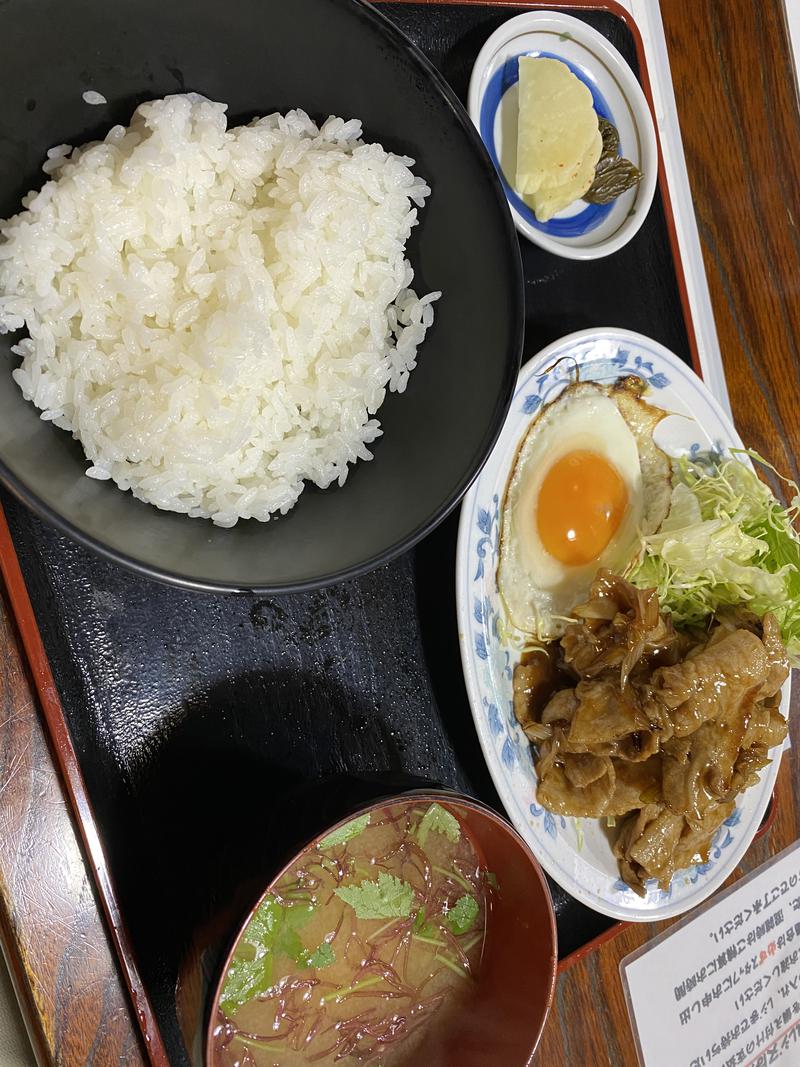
(726, 542)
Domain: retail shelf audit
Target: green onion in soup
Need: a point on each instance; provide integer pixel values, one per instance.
(363, 951)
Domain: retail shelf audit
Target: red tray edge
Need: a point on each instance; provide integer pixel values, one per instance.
(57, 729)
(72, 778)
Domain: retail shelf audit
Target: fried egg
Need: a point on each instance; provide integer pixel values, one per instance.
(587, 481)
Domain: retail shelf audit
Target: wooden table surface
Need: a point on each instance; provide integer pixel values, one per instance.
(738, 110)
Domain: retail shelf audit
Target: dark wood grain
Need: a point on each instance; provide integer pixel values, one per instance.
(738, 109)
(61, 961)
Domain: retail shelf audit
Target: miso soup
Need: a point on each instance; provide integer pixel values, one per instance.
(363, 951)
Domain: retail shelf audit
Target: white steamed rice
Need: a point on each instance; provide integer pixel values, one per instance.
(216, 314)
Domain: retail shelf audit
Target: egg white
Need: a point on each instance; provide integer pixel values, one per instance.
(538, 590)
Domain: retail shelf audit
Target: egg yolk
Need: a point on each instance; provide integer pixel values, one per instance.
(581, 504)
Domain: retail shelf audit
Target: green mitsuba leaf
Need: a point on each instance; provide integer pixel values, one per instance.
(422, 926)
(387, 897)
(245, 979)
(323, 956)
(461, 917)
(439, 820)
(271, 932)
(346, 833)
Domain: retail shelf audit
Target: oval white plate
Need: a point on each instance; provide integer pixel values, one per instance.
(580, 231)
(577, 853)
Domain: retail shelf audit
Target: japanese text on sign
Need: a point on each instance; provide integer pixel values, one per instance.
(722, 989)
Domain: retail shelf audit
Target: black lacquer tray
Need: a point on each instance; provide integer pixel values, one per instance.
(204, 724)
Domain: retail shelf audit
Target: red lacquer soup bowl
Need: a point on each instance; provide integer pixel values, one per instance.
(419, 930)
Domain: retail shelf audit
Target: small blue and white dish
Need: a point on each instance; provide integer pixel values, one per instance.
(582, 230)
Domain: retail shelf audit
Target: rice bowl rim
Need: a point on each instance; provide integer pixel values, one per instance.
(516, 294)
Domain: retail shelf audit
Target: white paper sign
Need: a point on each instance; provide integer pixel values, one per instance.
(722, 988)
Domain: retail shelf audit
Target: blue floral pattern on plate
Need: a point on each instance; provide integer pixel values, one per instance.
(577, 853)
